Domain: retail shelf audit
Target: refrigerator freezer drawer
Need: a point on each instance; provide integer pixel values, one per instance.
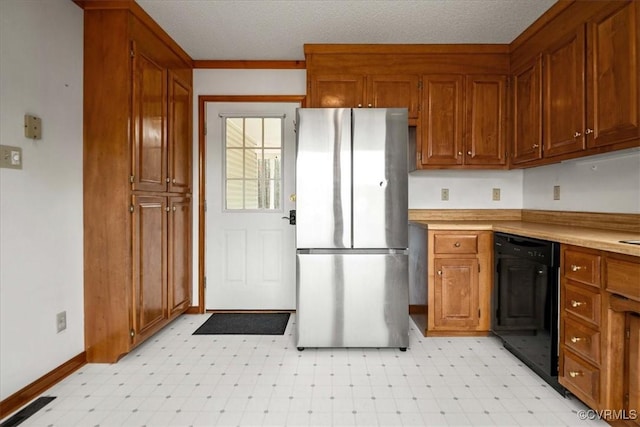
(352, 300)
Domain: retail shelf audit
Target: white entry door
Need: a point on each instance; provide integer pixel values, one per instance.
(250, 248)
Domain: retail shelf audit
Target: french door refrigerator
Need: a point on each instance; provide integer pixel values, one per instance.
(352, 228)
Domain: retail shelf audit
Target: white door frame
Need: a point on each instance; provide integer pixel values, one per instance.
(202, 156)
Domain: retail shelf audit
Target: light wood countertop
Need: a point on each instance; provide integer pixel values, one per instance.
(606, 240)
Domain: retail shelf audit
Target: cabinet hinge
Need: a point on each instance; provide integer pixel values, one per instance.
(626, 399)
(419, 84)
(205, 205)
(132, 53)
(627, 333)
(478, 313)
(478, 268)
(204, 282)
(131, 208)
(419, 155)
(131, 178)
(204, 128)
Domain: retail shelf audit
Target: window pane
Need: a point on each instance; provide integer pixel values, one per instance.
(234, 132)
(252, 163)
(272, 132)
(251, 195)
(234, 194)
(253, 132)
(234, 163)
(271, 164)
(271, 194)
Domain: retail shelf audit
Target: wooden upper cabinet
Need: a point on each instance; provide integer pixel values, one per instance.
(442, 100)
(148, 133)
(613, 104)
(337, 91)
(179, 129)
(394, 91)
(149, 265)
(485, 139)
(527, 112)
(564, 95)
(464, 120)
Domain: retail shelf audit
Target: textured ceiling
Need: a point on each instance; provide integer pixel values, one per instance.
(278, 29)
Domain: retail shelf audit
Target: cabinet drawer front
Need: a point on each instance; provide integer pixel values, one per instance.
(582, 267)
(455, 244)
(580, 378)
(582, 303)
(623, 277)
(582, 339)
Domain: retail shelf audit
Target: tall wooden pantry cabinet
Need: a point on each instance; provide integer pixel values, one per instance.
(137, 178)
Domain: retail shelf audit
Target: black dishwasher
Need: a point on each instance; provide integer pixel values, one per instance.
(525, 300)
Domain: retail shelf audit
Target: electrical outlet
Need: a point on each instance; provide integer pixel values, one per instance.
(61, 321)
(556, 192)
(495, 194)
(444, 194)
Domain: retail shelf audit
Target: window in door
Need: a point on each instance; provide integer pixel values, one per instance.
(253, 162)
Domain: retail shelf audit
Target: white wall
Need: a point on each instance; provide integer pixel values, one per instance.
(604, 183)
(234, 82)
(468, 189)
(41, 205)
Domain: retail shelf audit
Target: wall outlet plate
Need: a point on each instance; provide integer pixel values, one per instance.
(10, 157)
(556, 192)
(444, 194)
(61, 321)
(495, 194)
(32, 127)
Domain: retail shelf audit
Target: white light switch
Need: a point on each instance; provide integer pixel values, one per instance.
(10, 157)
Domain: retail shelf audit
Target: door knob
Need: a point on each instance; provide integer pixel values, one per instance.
(291, 217)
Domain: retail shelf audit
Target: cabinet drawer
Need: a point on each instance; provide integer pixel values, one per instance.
(582, 339)
(581, 378)
(582, 302)
(623, 278)
(582, 267)
(455, 243)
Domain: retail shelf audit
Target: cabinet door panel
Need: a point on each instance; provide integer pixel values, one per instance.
(149, 108)
(179, 254)
(394, 91)
(337, 91)
(612, 75)
(149, 263)
(442, 127)
(179, 135)
(527, 115)
(564, 98)
(456, 293)
(633, 363)
(485, 129)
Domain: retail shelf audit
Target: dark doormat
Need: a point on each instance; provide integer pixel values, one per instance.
(27, 411)
(244, 324)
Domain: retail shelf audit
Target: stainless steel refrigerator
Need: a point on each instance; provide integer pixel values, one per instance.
(352, 228)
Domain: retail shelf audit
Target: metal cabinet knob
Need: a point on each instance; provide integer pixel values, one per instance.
(468, 153)
(575, 303)
(577, 339)
(456, 244)
(459, 153)
(535, 145)
(173, 180)
(370, 105)
(577, 267)
(168, 180)
(577, 134)
(574, 374)
(588, 131)
(439, 272)
(359, 105)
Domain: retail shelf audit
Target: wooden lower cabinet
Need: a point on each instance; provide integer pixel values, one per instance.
(179, 255)
(459, 282)
(600, 331)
